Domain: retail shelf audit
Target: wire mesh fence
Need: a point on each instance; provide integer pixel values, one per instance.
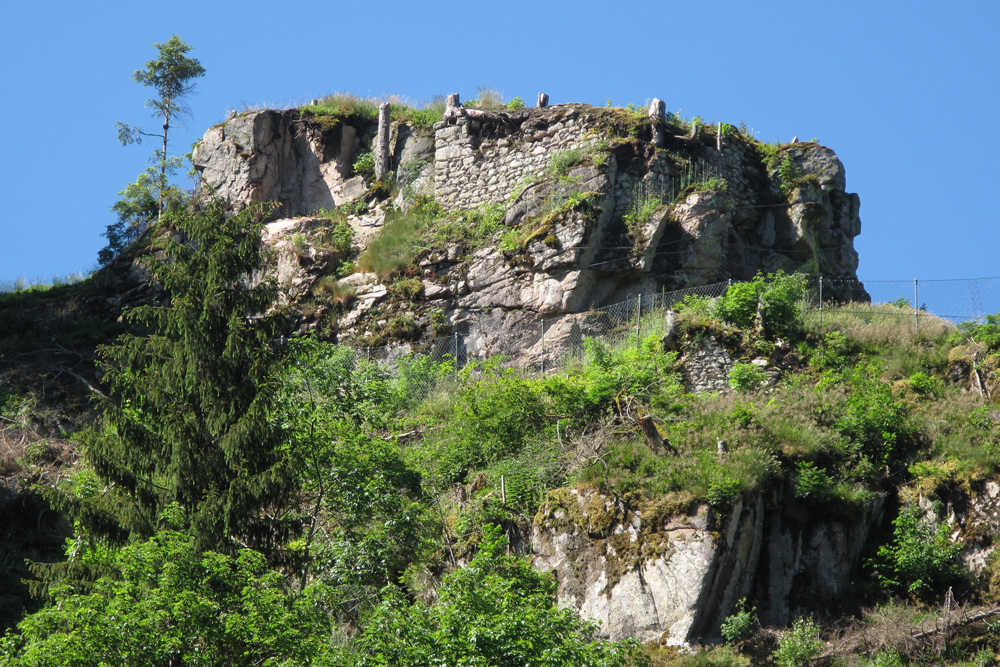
(558, 339)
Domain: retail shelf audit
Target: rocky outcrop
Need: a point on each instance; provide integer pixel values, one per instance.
(668, 573)
(571, 179)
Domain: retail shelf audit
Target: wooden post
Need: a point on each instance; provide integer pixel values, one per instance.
(382, 142)
(503, 490)
(543, 100)
(657, 114)
(452, 102)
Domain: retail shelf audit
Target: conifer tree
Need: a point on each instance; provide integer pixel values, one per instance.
(189, 419)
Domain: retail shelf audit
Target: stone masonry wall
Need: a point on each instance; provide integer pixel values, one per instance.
(473, 168)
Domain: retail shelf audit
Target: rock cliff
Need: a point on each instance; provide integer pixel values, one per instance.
(591, 212)
(672, 574)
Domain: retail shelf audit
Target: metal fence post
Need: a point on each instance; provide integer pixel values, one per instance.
(458, 358)
(821, 303)
(916, 317)
(638, 320)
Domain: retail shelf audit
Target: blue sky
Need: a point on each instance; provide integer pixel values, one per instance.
(905, 92)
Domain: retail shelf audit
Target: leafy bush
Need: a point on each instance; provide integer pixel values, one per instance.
(811, 482)
(497, 611)
(179, 605)
(515, 104)
(788, 173)
(799, 645)
(746, 376)
(875, 421)
(987, 333)
(364, 165)
(926, 385)
(741, 625)
(780, 296)
(921, 560)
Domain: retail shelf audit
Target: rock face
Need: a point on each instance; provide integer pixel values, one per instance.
(659, 574)
(597, 211)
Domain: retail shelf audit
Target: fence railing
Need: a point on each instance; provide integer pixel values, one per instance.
(550, 347)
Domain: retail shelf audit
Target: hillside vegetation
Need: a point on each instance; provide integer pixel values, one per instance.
(243, 498)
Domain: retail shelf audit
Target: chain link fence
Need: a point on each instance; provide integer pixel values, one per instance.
(559, 339)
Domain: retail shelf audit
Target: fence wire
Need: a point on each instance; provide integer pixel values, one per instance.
(557, 340)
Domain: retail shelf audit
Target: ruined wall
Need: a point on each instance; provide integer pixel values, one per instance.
(474, 165)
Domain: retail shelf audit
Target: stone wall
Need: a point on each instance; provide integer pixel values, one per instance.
(474, 165)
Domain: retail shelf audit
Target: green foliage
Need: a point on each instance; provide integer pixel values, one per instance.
(812, 483)
(780, 297)
(876, 423)
(497, 611)
(639, 212)
(926, 385)
(788, 173)
(515, 104)
(364, 165)
(189, 421)
(986, 333)
(493, 419)
(746, 376)
(171, 75)
(799, 645)
(562, 162)
(395, 245)
(921, 560)
(137, 211)
(886, 659)
(714, 184)
(741, 625)
(162, 602)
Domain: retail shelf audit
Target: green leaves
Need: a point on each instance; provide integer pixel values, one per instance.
(163, 602)
(921, 559)
(498, 611)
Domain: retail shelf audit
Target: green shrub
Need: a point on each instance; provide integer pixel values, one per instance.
(921, 559)
(788, 173)
(741, 625)
(874, 420)
(723, 491)
(812, 483)
(746, 376)
(515, 104)
(926, 385)
(781, 300)
(799, 645)
(886, 659)
(987, 333)
(364, 165)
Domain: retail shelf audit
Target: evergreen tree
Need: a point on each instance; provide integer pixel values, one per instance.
(189, 420)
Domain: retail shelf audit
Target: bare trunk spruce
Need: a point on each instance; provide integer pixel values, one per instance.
(382, 142)
(657, 115)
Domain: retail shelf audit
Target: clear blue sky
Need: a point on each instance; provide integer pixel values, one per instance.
(905, 92)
